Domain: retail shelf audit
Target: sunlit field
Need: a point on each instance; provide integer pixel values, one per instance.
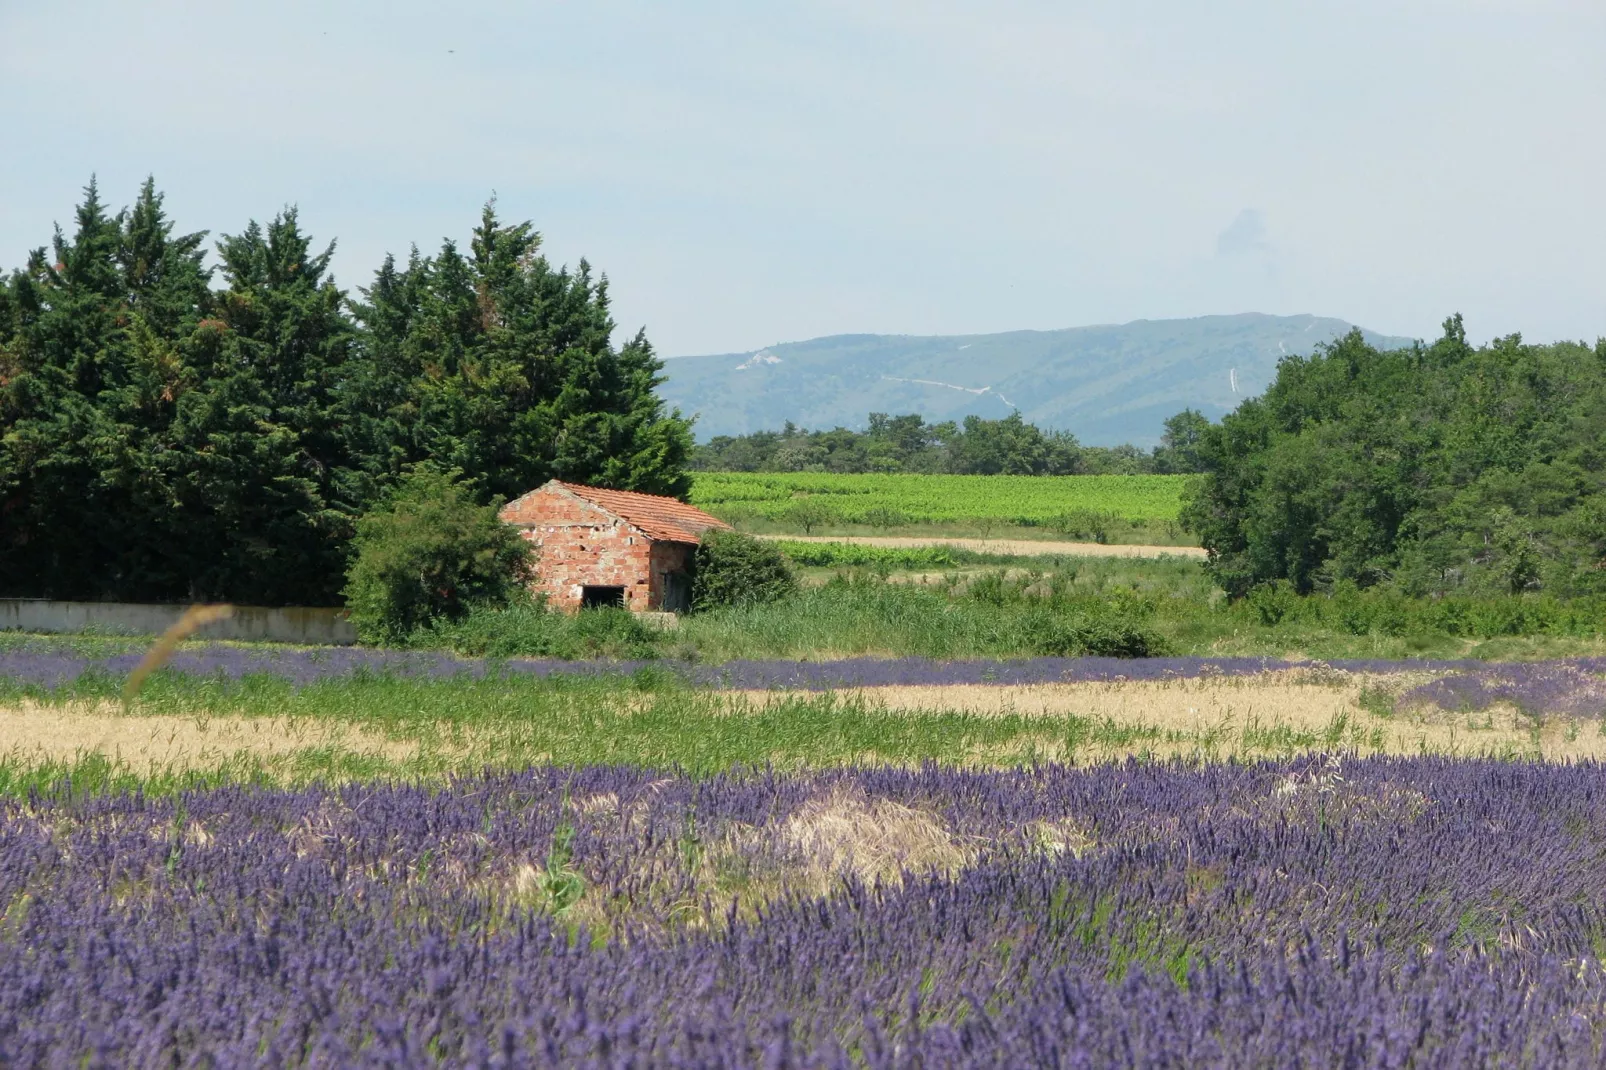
(331, 857)
(1128, 509)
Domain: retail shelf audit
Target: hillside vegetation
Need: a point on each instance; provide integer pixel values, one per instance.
(907, 443)
(1426, 470)
(1110, 384)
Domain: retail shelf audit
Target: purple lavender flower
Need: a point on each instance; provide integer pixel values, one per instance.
(1420, 912)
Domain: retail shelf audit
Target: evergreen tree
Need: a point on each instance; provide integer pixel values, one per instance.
(160, 440)
(501, 366)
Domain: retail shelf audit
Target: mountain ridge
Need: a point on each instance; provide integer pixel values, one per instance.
(1106, 383)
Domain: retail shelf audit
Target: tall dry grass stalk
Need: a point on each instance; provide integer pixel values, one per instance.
(194, 618)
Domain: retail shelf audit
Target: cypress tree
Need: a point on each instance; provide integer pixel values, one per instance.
(513, 375)
(162, 440)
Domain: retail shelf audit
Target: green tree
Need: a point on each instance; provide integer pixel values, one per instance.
(1424, 468)
(1012, 446)
(162, 440)
(428, 551)
(1178, 451)
(501, 365)
(809, 513)
(256, 463)
(89, 370)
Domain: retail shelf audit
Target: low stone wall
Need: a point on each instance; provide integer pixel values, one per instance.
(294, 624)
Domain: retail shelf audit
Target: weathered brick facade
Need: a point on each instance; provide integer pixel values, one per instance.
(593, 538)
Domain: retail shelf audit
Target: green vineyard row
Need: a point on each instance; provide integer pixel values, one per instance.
(905, 498)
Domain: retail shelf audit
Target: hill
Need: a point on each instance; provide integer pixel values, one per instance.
(1107, 384)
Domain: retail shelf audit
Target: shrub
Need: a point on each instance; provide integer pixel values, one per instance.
(426, 552)
(1093, 635)
(733, 569)
(528, 629)
(1092, 524)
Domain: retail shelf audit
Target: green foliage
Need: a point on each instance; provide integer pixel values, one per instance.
(428, 552)
(1012, 447)
(858, 555)
(499, 364)
(1178, 452)
(907, 443)
(733, 569)
(163, 439)
(1094, 524)
(809, 512)
(1435, 469)
(1096, 635)
(528, 629)
(1095, 508)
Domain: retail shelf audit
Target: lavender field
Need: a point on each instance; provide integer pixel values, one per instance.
(288, 858)
(1573, 686)
(1395, 913)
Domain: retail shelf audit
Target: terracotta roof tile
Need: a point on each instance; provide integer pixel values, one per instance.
(665, 519)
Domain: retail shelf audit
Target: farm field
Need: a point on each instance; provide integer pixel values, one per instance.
(301, 857)
(1131, 509)
(999, 547)
(294, 718)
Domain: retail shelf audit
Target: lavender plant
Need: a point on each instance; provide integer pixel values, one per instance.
(1381, 913)
(1573, 687)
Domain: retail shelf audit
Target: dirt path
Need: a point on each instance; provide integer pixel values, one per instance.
(1014, 547)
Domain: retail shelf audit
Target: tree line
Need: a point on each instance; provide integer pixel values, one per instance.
(1008, 446)
(173, 430)
(1436, 468)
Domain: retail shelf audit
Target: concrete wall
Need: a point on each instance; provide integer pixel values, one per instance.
(315, 627)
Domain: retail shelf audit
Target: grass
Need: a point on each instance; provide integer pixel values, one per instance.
(947, 603)
(972, 610)
(1109, 530)
(186, 732)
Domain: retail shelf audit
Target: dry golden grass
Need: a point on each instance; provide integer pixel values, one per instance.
(1272, 713)
(31, 733)
(1301, 709)
(873, 839)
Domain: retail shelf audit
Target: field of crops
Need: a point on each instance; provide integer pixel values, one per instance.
(891, 500)
(289, 857)
(1418, 913)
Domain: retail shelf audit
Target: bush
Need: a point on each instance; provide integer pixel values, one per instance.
(733, 569)
(427, 552)
(1093, 635)
(528, 629)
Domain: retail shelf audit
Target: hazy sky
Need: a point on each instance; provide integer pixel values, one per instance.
(752, 173)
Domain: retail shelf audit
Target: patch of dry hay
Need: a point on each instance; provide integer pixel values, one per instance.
(35, 733)
(1301, 708)
(875, 840)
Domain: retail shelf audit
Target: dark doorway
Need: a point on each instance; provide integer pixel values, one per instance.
(597, 597)
(677, 592)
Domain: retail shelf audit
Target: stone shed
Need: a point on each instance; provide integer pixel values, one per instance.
(610, 547)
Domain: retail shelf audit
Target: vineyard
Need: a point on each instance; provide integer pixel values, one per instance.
(1065, 503)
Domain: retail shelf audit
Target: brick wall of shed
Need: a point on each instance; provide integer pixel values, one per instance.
(580, 546)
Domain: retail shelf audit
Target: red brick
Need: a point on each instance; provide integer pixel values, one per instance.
(595, 538)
